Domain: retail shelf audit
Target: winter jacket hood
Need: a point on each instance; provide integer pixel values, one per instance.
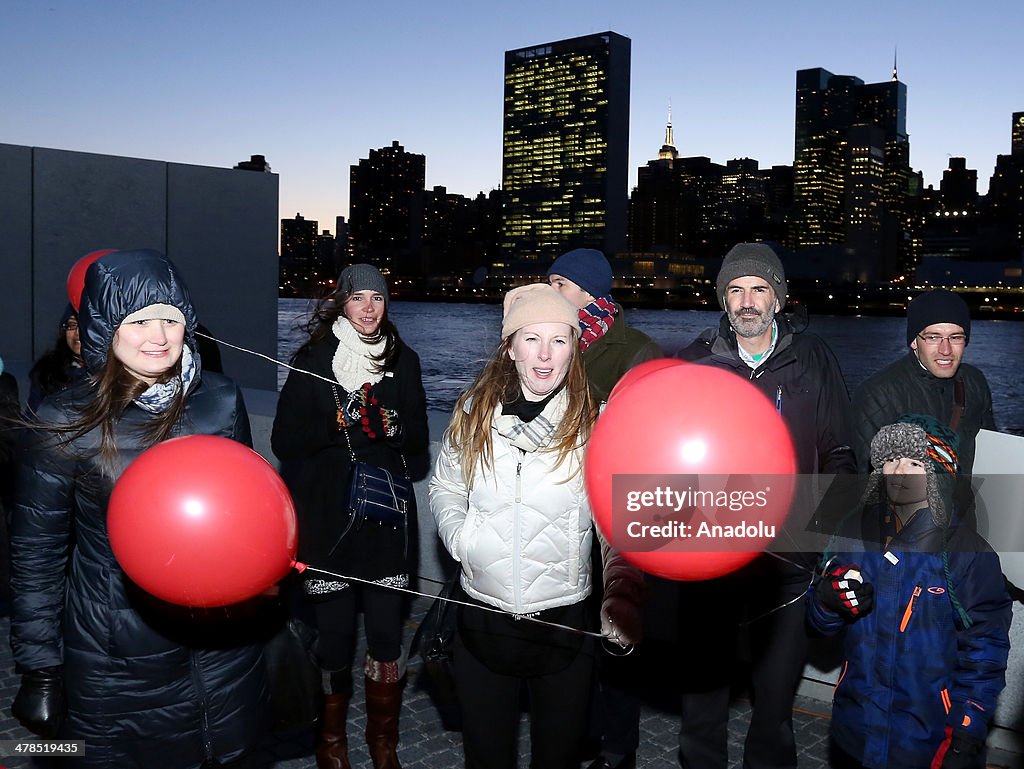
(123, 282)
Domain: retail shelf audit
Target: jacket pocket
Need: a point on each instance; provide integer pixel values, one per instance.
(466, 535)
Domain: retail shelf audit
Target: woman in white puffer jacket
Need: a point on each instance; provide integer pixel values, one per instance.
(509, 501)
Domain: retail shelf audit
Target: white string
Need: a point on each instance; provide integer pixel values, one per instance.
(517, 617)
(492, 609)
(265, 357)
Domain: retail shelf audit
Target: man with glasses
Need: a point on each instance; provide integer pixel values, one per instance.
(931, 379)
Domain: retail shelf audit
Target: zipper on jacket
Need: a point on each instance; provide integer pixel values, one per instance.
(910, 608)
(516, 546)
(204, 713)
(519, 480)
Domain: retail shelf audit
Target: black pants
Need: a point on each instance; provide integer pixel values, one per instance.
(778, 645)
(336, 620)
(559, 703)
(616, 710)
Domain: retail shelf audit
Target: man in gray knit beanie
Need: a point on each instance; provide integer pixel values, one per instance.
(799, 375)
(758, 260)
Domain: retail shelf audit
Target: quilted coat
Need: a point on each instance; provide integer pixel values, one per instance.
(523, 533)
(147, 684)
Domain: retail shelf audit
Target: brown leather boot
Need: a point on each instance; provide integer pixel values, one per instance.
(383, 704)
(332, 747)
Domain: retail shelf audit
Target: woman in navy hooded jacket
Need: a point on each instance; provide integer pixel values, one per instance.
(925, 611)
(141, 682)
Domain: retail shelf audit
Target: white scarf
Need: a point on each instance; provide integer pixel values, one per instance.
(352, 364)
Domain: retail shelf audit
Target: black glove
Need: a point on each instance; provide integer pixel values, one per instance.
(39, 703)
(959, 750)
(844, 592)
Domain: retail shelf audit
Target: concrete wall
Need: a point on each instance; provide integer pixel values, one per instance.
(217, 224)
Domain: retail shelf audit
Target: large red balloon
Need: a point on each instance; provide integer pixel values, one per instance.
(641, 370)
(202, 521)
(684, 450)
(76, 275)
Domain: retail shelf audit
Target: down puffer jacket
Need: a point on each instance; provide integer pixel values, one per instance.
(148, 684)
(523, 533)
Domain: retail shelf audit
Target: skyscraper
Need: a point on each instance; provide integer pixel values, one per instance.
(299, 269)
(1006, 190)
(565, 146)
(382, 192)
(852, 173)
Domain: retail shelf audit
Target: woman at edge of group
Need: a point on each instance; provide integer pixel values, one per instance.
(59, 367)
(374, 408)
(145, 683)
(508, 497)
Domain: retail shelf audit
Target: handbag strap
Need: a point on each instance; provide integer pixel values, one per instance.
(348, 440)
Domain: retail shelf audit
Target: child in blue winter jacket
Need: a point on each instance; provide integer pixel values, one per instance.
(925, 610)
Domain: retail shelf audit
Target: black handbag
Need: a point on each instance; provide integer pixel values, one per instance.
(434, 641)
(293, 677)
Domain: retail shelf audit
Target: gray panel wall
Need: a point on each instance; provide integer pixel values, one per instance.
(83, 202)
(219, 226)
(222, 232)
(15, 252)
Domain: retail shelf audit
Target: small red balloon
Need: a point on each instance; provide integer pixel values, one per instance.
(641, 370)
(202, 521)
(76, 275)
(690, 472)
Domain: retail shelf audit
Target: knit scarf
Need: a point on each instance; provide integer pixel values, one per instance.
(595, 320)
(353, 365)
(158, 396)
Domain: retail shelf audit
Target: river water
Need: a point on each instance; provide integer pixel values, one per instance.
(453, 340)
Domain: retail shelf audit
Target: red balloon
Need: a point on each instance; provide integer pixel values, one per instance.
(76, 275)
(690, 472)
(640, 371)
(202, 521)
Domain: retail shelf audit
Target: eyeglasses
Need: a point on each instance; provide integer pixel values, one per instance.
(71, 325)
(957, 340)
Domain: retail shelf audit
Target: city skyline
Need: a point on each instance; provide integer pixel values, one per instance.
(314, 87)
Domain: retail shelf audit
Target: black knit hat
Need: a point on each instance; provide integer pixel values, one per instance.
(757, 259)
(937, 306)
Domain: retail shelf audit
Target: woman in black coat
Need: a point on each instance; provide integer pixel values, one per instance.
(60, 367)
(145, 683)
(358, 394)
